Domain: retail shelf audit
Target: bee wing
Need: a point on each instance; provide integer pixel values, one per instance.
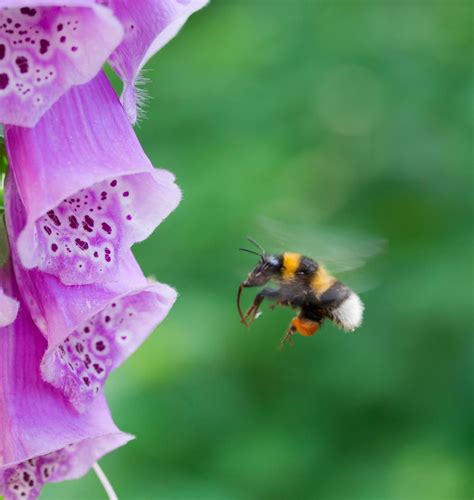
(339, 250)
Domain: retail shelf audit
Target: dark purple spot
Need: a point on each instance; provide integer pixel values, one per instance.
(106, 228)
(27, 11)
(26, 476)
(2, 51)
(100, 346)
(79, 348)
(125, 194)
(62, 39)
(83, 245)
(22, 63)
(87, 360)
(107, 319)
(89, 220)
(129, 217)
(103, 195)
(44, 45)
(108, 258)
(87, 329)
(86, 381)
(47, 230)
(4, 81)
(73, 49)
(73, 222)
(107, 251)
(60, 27)
(98, 368)
(17, 25)
(46, 472)
(54, 218)
(54, 247)
(113, 183)
(86, 227)
(96, 255)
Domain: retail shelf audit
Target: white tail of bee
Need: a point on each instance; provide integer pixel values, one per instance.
(350, 313)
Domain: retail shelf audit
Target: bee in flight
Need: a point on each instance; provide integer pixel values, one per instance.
(304, 285)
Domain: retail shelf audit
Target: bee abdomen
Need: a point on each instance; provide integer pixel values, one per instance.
(349, 313)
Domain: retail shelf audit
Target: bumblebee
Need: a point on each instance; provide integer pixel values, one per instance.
(304, 285)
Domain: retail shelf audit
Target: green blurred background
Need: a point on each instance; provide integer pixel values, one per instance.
(348, 114)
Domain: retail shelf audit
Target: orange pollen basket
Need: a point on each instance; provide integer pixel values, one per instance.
(305, 327)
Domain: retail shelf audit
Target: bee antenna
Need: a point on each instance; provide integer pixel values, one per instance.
(250, 251)
(256, 244)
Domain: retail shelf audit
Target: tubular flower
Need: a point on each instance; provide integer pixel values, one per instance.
(88, 188)
(148, 25)
(45, 48)
(90, 329)
(48, 46)
(43, 439)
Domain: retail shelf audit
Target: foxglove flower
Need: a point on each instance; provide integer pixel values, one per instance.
(88, 188)
(44, 50)
(149, 25)
(90, 329)
(42, 439)
(49, 46)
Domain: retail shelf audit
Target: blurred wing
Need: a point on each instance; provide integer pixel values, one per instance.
(339, 250)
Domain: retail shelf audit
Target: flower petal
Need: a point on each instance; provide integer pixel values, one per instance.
(8, 309)
(91, 329)
(89, 190)
(149, 25)
(45, 48)
(42, 438)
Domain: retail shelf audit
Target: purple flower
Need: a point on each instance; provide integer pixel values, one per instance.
(149, 25)
(90, 329)
(88, 188)
(48, 46)
(44, 50)
(8, 309)
(42, 437)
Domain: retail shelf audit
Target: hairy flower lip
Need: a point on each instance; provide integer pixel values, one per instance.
(158, 22)
(123, 437)
(165, 295)
(85, 142)
(25, 98)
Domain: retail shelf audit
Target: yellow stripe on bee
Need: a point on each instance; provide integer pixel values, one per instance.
(291, 262)
(322, 280)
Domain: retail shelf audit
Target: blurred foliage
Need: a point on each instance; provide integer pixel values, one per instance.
(354, 115)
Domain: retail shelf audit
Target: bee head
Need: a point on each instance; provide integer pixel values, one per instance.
(267, 268)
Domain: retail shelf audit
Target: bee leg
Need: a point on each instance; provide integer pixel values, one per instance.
(282, 303)
(252, 310)
(287, 337)
(251, 314)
